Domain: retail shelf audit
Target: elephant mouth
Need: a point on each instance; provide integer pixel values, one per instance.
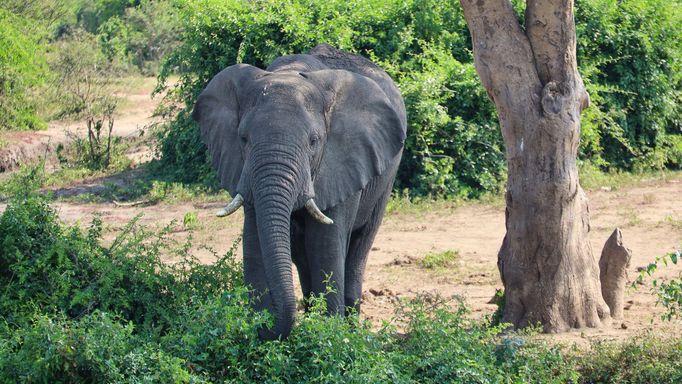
(310, 206)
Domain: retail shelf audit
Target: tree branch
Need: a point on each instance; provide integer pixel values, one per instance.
(502, 53)
(550, 28)
(551, 31)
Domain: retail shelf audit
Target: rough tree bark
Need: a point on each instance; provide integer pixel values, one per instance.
(549, 272)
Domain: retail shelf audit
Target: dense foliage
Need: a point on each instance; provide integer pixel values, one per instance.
(21, 69)
(142, 35)
(140, 308)
(132, 35)
(629, 53)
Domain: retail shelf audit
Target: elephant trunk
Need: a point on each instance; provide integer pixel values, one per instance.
(275, 191)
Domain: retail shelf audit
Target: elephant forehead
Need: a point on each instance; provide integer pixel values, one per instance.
(289, 89)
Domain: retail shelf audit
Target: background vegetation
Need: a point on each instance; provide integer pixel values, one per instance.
(21, 69)
(630, 55)
(119, 36)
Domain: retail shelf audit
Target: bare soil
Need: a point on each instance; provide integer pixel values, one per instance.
(649, 214)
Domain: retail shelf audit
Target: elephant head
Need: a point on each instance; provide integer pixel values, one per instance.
(284, 140)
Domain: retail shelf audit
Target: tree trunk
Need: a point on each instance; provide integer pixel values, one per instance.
(549, 272)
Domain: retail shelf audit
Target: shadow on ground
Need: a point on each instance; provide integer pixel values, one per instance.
(143, 185)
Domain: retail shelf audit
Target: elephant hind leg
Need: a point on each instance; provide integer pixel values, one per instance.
(360, 244)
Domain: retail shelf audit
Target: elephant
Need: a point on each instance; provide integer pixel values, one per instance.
(309, 147)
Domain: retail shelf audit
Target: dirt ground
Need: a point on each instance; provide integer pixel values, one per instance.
(649, 214)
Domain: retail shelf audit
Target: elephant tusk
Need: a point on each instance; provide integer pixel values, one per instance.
(230, 208)
(316, 213)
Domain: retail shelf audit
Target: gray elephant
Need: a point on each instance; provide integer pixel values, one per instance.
(310, 147)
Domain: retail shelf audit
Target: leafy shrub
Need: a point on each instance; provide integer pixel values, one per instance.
(98, 348)
(142, 35)
(442, 346)
(142, 309)
(669, 291)
(629, 53)
(643, 359)
(46, 266)
(22, 68)
(91, 14)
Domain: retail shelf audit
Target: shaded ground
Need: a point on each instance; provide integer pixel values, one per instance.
(649, 214)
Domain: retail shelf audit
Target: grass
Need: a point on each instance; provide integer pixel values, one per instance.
(631, 217)
(591, 178)
(672, 221)
(440, 260)
(135, 84)
(132, 85)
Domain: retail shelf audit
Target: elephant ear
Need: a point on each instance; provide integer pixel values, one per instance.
(218, 110)
(366, 131)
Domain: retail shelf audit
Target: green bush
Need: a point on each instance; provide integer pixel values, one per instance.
(142, 35)
(21, 70)
(643, 359)
(668, 291)
(629, 54)
(91, 14)
(141, 308)
(98, 348)
(45, 266)
(454, 144)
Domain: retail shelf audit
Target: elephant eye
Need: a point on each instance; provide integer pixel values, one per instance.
(243, 139)
(313, 140)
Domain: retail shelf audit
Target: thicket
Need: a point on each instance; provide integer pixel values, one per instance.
(135, 34)
(141, 35)
(22, 68)
(140, 308)
(630, 56)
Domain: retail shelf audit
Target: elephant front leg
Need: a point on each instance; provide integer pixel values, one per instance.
(254, 270)
(298, 253)
(326, 248)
